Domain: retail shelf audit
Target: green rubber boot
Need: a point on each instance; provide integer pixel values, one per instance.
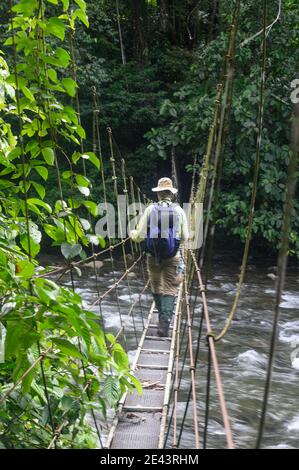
(158, 302)
(166, 315)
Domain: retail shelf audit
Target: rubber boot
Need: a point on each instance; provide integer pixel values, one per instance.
(166, 315)
(158, 302)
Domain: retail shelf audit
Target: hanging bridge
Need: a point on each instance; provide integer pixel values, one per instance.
(154, 418)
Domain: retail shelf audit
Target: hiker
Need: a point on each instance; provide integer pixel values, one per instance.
(164, 227)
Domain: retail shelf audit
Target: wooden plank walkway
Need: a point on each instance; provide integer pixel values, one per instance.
(140, 422)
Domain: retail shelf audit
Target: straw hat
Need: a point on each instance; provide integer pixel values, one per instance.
(165, 184)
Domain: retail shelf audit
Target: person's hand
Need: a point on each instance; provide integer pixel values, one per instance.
(133, 235)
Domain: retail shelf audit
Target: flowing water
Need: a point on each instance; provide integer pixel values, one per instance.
(242, 354)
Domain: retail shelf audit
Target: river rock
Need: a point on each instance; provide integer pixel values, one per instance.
(97, 263)
(132, 275)
(272, 276)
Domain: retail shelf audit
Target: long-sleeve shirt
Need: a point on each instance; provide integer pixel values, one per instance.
(140, 233)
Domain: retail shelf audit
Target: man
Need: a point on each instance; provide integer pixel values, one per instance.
(164, 227)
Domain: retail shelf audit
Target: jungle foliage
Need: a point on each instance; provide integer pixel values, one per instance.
(57, 365)
(159, 95)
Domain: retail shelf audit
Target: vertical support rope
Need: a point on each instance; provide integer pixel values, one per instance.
(115, 189)
(192, 364)
(207, 403)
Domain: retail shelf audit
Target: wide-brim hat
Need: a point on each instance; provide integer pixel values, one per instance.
(165, 184)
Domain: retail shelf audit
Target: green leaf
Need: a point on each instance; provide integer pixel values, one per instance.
(70, 251)
(56, 27)
(82, 181)
(92, 207)
(32, 147)
(66, 174)
(38, 202)
(81, 4)
(34, 247)
(35, 238)
(25, 269)
(48, 154)
(111, 390)
(92, 158)
(66, 403)
(15, 153)
(28, 93)
(65, 4)
(82, 17)
(39, 188)
(27, 7)
(42, 171)
(120, 357)
(67, 347)
(63, 57)
(70, 86)
(136, 383)
(52, 74)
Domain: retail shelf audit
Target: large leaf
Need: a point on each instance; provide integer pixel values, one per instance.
(63, 57)
(67, 347)
(120, 357)
(38, 202)
(70, 86)
(42, 171)
(56, 27)
(92, 158)
(111, 390)
(48, 154)
(70, 251)
(25, 269)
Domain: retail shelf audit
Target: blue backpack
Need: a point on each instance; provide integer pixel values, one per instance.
(161, 241)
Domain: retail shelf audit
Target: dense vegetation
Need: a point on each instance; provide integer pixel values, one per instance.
(57, 364)
(162, 97)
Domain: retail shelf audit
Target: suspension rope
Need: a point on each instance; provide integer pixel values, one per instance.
(192, 364)
(190, 387)
(211, 341)
(207, 401)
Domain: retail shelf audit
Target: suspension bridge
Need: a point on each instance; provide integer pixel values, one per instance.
(153, 419)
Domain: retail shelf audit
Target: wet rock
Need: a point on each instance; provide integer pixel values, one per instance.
(97, 264)
(272, 276)
(132, 275)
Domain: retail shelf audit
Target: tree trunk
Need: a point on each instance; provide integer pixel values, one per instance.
(139, 30)
(164, 16)
(214, 19)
